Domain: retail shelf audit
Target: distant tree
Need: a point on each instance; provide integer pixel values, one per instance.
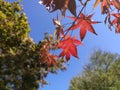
(102, 73)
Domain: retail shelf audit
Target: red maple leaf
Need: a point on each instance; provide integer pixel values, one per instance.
(117, 18)
(84, 23)
(116, 22)
(69, 46)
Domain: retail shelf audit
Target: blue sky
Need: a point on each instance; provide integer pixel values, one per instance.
(41, 21)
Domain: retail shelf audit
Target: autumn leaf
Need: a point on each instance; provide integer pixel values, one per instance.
(58, 4)
(116, 22)
(69, 47)
(72, 7)
(84, 23)
(65, 4)
(105, 5)
(96, 3)
(116, 4)
(117, 18)
(59, 32)
(46, 57)
(51, 60)
(62, 5)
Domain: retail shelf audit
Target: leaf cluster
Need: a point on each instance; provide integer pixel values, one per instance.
(81, 20)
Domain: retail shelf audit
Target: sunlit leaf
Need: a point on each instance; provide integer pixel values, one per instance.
(69, 47)
(84, 23)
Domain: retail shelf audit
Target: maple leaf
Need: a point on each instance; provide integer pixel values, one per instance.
(96, 3)
(60, 5)
(105, 5)
(51, 59)
(117, 18)
(84, 23)
(69, 47)
(65, 4)
(116, 4)
(46, 57)
(59, 32)
(116, 22)
(72, 7)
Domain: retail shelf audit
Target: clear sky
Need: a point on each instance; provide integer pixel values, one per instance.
(41, 21)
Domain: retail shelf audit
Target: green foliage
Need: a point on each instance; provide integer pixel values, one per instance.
(21, 66)
(102, 73)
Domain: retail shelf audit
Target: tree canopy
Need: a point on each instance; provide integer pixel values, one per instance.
(102, 73)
